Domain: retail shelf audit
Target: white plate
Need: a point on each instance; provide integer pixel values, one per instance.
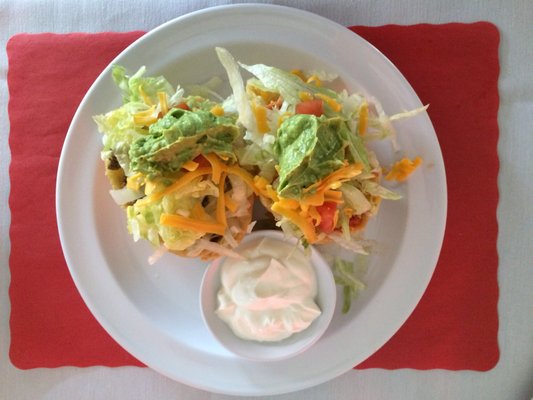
(153, 311)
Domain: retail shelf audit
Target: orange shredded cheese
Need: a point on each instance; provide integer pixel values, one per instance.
(299, 73)
(315, 215)
(363, 118)
(245, 176)
(217, 165)
(304, 224)
(221, 206)
(264, 94)
(199, 213)
(217, 110)
(230, 203)
(314, 79)
(333, 196)
(336, 178)
(135, 181)
(305, 96)
(163, 105)
(401, 170)
(181, 182)
(290, 204)
(190, 165)
(260, 182)
(149, 186)
(189, 224)
(335, 106)
(315, 199)
(146, 117)
(147, 100)
(260, 114)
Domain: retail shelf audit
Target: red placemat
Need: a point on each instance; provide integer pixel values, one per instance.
(454, 67)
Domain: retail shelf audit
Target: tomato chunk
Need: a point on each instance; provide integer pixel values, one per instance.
(355, 221)
(202, 161)
(313, 107)
(183, 106)
(327, 215)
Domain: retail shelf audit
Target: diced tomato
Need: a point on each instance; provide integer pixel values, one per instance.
(327, 215)
(183, 106)
(355, 221)
(202, 161)
(313, 107)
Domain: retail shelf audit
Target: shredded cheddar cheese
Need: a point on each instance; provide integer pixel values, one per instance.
(230, 203)
(305, 96)
(135, 181)
(190, 166)
(304, 224)
(315, 215)
(199, 213)
(217, 165)
(401, 170)
(290, 204)
(145, 97)
(221, 206)
(163, 105)
(189, 224)
(264, 94)
(299, 73)
(217, 110)
(314, 79)
(181, 182)
(333, 196)
(245, 176)
(335, 106)
(146, 117)
(363, 118)
(260, 114)
(149, 187)
(335, 179)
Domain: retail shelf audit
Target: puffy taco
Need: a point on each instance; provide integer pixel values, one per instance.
(307, 145)
(327, 182)
(172, 166)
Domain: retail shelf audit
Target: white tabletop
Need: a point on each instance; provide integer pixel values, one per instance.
(512, 378)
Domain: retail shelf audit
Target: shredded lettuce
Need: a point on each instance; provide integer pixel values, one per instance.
(349, 275)
(134, 86)
(119, 132)
(143, 219)
(242, 104)
(375, 189)
(207, 89)
(355, 199)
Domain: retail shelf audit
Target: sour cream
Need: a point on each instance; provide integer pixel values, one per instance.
(269, 294)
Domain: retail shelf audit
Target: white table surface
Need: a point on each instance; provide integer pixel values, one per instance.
(512, 378)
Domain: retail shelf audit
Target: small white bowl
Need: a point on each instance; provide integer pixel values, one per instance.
(269, 351)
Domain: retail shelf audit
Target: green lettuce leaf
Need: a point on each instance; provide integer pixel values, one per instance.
(120, 132)
(355, 199)
(131, 86)
(349, 275)
(376, 189)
